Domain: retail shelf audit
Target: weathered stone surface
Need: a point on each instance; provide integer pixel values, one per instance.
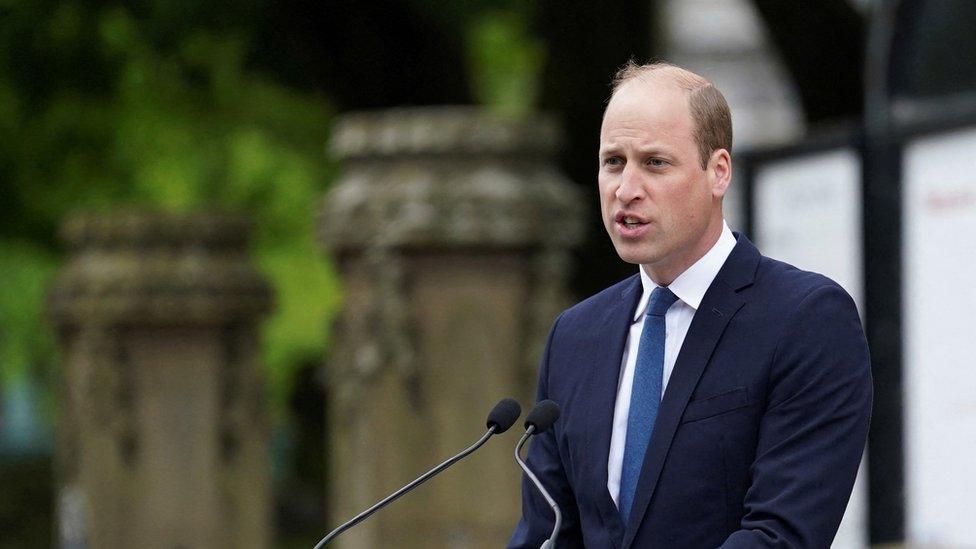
(449, 177)
(162, 439)
(452, 229)
(157, 268)
(451, 131)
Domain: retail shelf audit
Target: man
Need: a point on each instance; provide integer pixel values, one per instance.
(718, 397)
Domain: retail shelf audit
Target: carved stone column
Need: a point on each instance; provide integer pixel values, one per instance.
(162, 439)
(452, 232)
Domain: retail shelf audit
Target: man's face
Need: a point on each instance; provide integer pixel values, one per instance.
(661, 208)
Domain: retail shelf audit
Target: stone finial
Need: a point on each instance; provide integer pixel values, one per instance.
(157, 268)
(448, 177)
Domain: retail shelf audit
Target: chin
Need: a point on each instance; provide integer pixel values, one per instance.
(630, 254)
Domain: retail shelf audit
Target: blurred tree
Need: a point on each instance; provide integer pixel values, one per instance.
(156, 106)
(505, 62)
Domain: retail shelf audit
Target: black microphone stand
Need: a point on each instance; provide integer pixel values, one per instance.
(392, 497)
(551, 542)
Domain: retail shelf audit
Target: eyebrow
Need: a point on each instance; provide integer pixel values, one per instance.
(652, 150)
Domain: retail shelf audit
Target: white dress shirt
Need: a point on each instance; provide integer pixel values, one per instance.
(690, 287)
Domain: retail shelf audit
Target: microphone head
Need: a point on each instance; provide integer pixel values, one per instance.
(542, 416)
(504, 414)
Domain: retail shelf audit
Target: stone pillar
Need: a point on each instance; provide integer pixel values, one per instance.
(452, 231)
(162, 438)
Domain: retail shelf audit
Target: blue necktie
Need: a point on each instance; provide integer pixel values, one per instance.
(645, 397)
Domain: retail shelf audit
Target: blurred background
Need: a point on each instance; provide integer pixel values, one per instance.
(264, 261)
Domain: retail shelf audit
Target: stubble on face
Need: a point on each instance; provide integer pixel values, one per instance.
(658, 204)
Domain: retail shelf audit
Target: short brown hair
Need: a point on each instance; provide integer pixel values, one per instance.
(709, 110)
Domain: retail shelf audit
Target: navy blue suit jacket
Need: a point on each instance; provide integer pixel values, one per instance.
(760, 430)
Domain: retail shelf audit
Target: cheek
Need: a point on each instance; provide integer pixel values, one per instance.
(686, 204)
(606, 191)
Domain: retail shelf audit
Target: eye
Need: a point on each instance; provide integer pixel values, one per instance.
(657, 162)
(613, 161)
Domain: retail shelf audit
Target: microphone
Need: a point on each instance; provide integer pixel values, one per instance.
(538, 421)
(501, 417)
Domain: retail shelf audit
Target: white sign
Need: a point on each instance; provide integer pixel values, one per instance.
(939, 330)
(808, 213)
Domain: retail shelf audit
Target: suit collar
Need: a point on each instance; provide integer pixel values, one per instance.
(719, 304)
(612, 329)
(691, 285)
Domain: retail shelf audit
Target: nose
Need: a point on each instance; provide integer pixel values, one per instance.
(631, 187)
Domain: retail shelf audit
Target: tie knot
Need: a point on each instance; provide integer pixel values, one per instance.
(661, 300)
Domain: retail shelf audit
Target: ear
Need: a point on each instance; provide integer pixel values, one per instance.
(719, 172)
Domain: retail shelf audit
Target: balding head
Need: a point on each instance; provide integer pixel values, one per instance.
(709, 110)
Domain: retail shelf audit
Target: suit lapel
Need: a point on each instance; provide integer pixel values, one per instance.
(717, 308)
(612, 329)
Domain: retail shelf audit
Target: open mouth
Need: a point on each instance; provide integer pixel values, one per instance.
(629, 225)
(632, 222)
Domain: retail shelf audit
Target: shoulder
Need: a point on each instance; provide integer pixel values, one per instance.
(817, 339)
(774, 287)
(622, 294)
(788, 304)
(811, 314)
(779, 284)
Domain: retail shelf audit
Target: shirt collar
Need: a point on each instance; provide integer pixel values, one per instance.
(691, 285)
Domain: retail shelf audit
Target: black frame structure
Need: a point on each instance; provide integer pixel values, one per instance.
(896, 112)
(882, 194)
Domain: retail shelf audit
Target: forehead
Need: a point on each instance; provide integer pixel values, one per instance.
(649, 106)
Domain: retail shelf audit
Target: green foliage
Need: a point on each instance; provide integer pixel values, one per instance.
(25, 269)
(156, 107)
(505, 61)
(504, 57)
